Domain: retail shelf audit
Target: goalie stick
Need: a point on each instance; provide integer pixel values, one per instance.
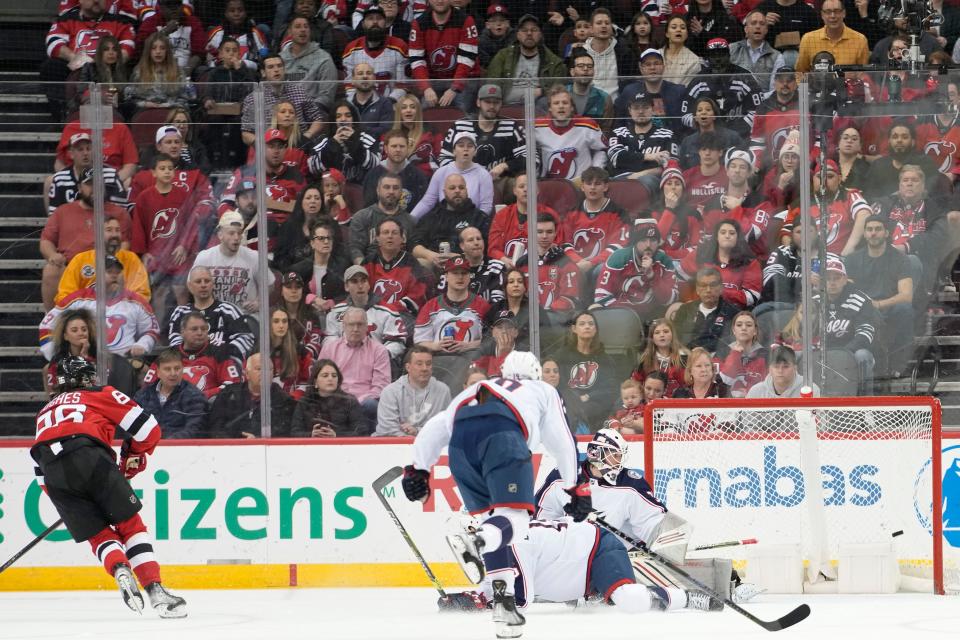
(378, 485)
(790, 619)
(30, 545)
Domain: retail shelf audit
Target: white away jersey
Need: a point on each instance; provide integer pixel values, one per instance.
(628, 505)
(565, 152)
(553, 561)
(540, 415)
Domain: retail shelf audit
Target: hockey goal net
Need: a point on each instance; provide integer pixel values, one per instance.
(738, 468)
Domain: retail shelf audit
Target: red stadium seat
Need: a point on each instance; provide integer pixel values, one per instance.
(353, 194)
(513, 112)
(144, 126)
(558, 194)
(629, 194)
(440, 119)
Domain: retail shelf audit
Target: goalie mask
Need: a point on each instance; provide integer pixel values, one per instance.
(521, 365)
(74, 372)
(605, 453)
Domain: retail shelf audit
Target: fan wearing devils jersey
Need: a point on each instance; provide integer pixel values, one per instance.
(396, 277)
(776, 117)
(169, 140)
(640, 149)
(443, 46)
(640, 277)
(938, 136)
(508, 231)
(847, 211)
(385, 53)
(748, 208)
(77, 469)
(205, 366)
(558, 277)
(597, 227)
(727, 251)
(166, 221)
(567, 143)
(131, 326)
(457, 307)
(125, 9)
(74, 36)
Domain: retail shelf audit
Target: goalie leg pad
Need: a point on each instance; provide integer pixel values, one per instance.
(713, 572)
(652, 574)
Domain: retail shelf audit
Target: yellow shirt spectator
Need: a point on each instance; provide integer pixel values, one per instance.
(81, 273)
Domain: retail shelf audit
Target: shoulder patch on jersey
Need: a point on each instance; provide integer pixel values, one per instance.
(633, 474)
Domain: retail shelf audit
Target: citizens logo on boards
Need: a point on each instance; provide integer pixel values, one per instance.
(243, 513)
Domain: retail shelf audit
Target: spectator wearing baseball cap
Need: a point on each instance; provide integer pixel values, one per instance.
(667, 95)
(496, 33)
(168, 140)
(63, 186)
(379, 47)
(527, 58)
(640, 149)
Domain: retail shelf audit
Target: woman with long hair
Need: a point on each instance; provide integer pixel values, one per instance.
(517, 302)
(291, 360)
(743, 361)
(293, 238)
(706, 117)
(423, 145)
(346, 147)
(587, 372)
(75, 334)
(107, 68)
(678, 222)
(701, 380)
(327, 411)
(663, 353)
(284, 118)
(335, 206)
(680, 64)
(156, 81)
(727, 251)
(304, 321)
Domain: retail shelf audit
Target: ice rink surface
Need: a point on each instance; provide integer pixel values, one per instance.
(410, 614)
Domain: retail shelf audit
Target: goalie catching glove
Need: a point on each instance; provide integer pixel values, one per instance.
(581, 503)
(415, 483)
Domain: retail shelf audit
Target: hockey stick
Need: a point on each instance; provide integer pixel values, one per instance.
(728, 543)
(378, 485)
(30, 545)
(790, 619)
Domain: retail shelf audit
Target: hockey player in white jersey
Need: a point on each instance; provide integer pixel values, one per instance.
(561, 561)
(626, 501)
(490, 429)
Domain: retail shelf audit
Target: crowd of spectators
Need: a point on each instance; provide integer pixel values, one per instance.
(396, 233)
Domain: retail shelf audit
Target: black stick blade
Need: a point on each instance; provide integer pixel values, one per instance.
(797, 615)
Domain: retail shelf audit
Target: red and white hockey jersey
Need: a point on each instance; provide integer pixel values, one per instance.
(401, 281)
(209, 369)
(82, 35)
(623, 283)
(558, 279)
(96, 413)
(940, 143)
(383, 323)
(162, 222)
(567, 151)
(597, 234)
(389, 64)
(842, 211)
(440, 52)
(508, 232)
(465, 317)
(130, 321)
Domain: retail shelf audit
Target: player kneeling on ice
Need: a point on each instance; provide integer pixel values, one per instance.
(490, 429)
(78, 471)
(558, 558)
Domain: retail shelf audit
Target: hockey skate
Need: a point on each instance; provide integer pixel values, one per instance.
(128, 587)
(509, 622)
(166, 604)
(467, 548)
(703, 601)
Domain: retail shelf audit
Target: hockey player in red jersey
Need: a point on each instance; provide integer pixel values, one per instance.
(78, 471)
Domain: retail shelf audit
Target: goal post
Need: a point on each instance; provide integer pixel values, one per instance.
(746, 468)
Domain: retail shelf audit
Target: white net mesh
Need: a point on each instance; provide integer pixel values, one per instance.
(737, 470)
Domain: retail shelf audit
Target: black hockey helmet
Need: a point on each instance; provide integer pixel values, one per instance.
(74, 372)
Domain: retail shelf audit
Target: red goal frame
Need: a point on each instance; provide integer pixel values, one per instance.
(822, 403)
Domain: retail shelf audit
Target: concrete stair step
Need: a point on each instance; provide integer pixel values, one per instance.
(20, 248)
(21, 161)
(24, 205)
(18, 380)
(17, 336)
(23, 178)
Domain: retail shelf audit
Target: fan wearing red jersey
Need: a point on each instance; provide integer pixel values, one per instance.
(598, 227)
(507, 240)
(558, 278)
(443, 46)
(78, 471)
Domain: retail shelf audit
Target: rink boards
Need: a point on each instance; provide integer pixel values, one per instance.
(255, 514)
